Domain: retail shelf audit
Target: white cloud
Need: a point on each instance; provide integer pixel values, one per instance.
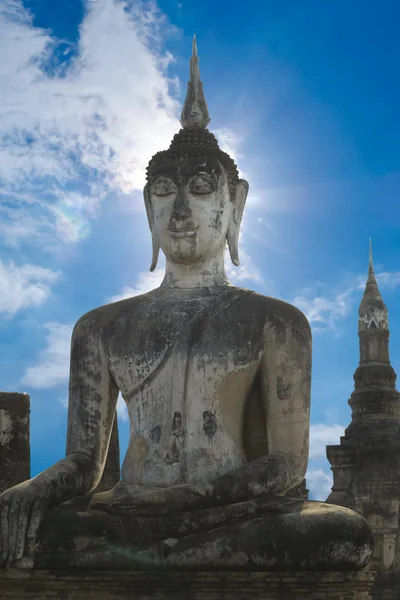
(388, 280)
(319, 483)
(246, 271)
(325, 308)
(52, 368)
(323, 312)
(93, 121)
(146, 283)
(24, 286)
(230, 142)
(322, 435)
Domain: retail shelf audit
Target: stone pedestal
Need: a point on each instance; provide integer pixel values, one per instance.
(173, 585)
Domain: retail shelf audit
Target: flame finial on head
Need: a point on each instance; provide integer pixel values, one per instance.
(194, 140)
(195, 111)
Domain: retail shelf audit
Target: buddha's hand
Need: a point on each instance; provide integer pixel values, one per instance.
(21, 511)
(170, 499)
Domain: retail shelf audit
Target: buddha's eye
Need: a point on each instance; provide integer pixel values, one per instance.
(202, 185)
(163, 186)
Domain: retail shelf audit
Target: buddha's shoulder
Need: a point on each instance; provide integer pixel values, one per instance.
(248, 304)
(276, 312)
(109, 314)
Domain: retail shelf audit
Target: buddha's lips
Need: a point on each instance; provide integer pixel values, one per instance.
(181, 232)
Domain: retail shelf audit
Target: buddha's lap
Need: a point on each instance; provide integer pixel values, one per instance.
(282, 527)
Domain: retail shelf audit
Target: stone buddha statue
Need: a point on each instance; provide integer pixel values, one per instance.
(216, 379)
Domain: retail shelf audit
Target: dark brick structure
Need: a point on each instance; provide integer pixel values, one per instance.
(366, 463)
(14, 439)
(180, 585)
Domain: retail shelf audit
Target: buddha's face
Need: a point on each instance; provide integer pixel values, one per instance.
(191, 209)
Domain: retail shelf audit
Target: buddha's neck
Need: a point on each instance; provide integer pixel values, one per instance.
(209, 273)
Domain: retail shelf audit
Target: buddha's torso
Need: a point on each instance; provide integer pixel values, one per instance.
(186, 363)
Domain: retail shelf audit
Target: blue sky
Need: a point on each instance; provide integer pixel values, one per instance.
(304, 95)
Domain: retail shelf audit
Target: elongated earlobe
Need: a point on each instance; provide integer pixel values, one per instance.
(150, 218)
(242, 189)
(233, 244)
(156, 250)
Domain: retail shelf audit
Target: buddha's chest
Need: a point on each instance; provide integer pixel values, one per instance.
(177, 348)
(186, 376)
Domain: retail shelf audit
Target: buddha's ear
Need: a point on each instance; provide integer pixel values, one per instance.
(242, 189)
(150, 218)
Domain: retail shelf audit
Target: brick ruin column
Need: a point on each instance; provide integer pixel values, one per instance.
(300, 492)
(15, 464)
(366, 463)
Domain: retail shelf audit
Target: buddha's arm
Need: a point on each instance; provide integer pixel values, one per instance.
(286, 383)
(92, 404)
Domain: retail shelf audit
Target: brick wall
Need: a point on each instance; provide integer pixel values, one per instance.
(178, 585)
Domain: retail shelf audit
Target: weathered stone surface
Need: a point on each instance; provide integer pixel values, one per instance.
(217, 383)
(262, 534)
(14, 439)
(174, 585)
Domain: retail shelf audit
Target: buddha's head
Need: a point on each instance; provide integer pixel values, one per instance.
(194, 197)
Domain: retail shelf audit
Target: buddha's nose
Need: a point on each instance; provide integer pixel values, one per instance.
(181, 210)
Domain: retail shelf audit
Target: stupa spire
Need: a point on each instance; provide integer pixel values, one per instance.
(195, 111)
(372, 312)
(371, 280)
(370, 254)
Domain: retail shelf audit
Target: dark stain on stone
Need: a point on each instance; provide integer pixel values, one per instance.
(210, 424)
(175, 452)
(155, 434)
(177, 423)
(282, 388)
